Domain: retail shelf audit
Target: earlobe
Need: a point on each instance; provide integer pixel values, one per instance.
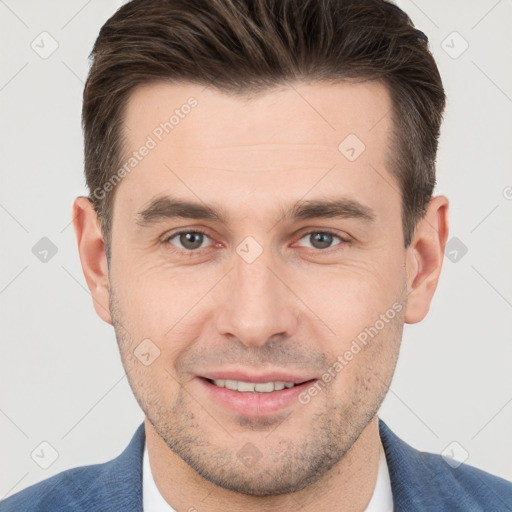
(93, 258)
(425, 258)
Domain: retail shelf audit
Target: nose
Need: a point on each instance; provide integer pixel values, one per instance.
(256, 305)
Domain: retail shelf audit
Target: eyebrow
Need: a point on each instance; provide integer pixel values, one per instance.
(166, 207)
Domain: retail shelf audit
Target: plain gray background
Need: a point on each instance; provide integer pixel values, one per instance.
(62, 381)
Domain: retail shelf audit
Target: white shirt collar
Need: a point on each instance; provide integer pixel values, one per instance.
(153, 501)
(382, 498)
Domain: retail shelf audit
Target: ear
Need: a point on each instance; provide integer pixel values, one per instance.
(92, 254)
(424, 259)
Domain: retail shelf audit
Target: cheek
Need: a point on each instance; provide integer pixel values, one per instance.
(351, 296)
(162, 304)
(162, 301)
(364, 358)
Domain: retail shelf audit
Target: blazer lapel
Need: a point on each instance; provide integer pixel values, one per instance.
(117, 485)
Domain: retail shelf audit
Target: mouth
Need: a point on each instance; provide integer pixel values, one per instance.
(262, 397)
(253, 387)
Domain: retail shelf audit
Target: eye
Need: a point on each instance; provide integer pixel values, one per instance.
(191, 241)
(322, 239)
(188, 240)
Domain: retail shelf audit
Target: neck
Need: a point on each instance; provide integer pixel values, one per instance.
(350, 482)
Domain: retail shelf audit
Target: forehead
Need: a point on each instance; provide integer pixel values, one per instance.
(268, 148)
(308, 113)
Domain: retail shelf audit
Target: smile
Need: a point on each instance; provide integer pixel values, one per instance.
(252, 387)
(246, 398)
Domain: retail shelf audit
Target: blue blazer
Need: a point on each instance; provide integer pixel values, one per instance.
(419, 481)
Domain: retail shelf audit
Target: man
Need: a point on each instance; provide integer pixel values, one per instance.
(260, 227)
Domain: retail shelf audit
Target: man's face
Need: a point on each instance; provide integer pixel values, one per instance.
(263, 295)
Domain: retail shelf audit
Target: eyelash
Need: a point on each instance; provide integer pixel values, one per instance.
(197, 230)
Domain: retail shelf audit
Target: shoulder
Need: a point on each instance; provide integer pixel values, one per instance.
(113, 485)
(56, 493)
(426, 481)
(465, 482)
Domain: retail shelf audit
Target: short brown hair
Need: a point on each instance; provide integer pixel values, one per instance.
(249, 46)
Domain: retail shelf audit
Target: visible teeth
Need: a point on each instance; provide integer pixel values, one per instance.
(251, 387)
(230, 384)
(264, 387)
(245, 386)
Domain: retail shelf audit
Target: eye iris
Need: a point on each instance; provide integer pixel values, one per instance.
(321, 240)
(194, 240)
(191, 240)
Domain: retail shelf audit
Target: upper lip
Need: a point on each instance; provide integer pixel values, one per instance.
(244, 376)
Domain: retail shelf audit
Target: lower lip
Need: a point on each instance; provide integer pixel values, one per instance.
(255, 404)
